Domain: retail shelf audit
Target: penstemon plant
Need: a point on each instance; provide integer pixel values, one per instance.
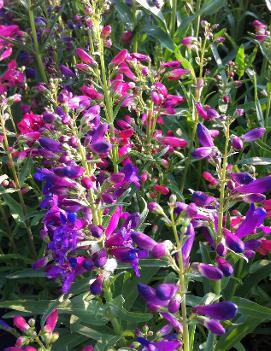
(131, 190)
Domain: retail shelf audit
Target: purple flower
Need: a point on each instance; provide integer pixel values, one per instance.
(237, 143)
(253, 135)
(114, 221)
(143, 241)
(159, 250)
(204, 136)
(50, 144)
(219, 311)
(96, 287)
(224, 266)
(66, 71)
(214, 326)
(209, 271)
(166, 291)
(234, 243)
(69, 171)
(254, 218)
(173, 321)
(202, 152)
(242, 177)
(188, 244)
(261, 185)
(164, 345)
(202, 199)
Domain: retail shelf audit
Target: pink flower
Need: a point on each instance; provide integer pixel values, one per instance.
(51, 321)
(85, 57)
(174, 141)
(30, 123)
(162, 189)
(120, 57)
(177, 73)
(20, 323)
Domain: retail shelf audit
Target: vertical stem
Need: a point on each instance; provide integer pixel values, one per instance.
(173, 17)
(35, 42)
(182, 282)
(109, 112)
(223, 180)
(18, 185)
(198, 92)
(114, 321)
(88, 170)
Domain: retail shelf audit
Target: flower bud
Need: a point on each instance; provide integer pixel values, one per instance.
(214, 326)
(209, 271)
(20, 323)
(237, 143)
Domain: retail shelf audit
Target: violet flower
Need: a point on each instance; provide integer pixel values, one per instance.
(219, 311)
(204, 136)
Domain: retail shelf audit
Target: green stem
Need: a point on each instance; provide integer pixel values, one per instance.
(182, 282)
(115, 323)
(173, 17)
(17, 184)
(198, 91)
(223, 180)
(109, 112)
(35, 42)
(88, 170)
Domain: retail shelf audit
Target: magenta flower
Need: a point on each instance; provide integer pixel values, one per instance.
(171, 64)
(51, 321)
(120, 57)
(177, 73)
(175, 142)
(85, 57)
(20, 323)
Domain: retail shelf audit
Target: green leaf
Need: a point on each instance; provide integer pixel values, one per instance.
(14, 207)
(252, 309)
(124, 12)
(230, 339)
(240, 61)
(104, 341)
(26, 273)
(253, 279)
(89, 312)
(210, 7)
(69, 340)
(143, 214)
(153, 9)
(256, 161)
(116, 306)
(239, 347)
(26, 170)
(30, 306)
(6, 257)
(159, 35)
